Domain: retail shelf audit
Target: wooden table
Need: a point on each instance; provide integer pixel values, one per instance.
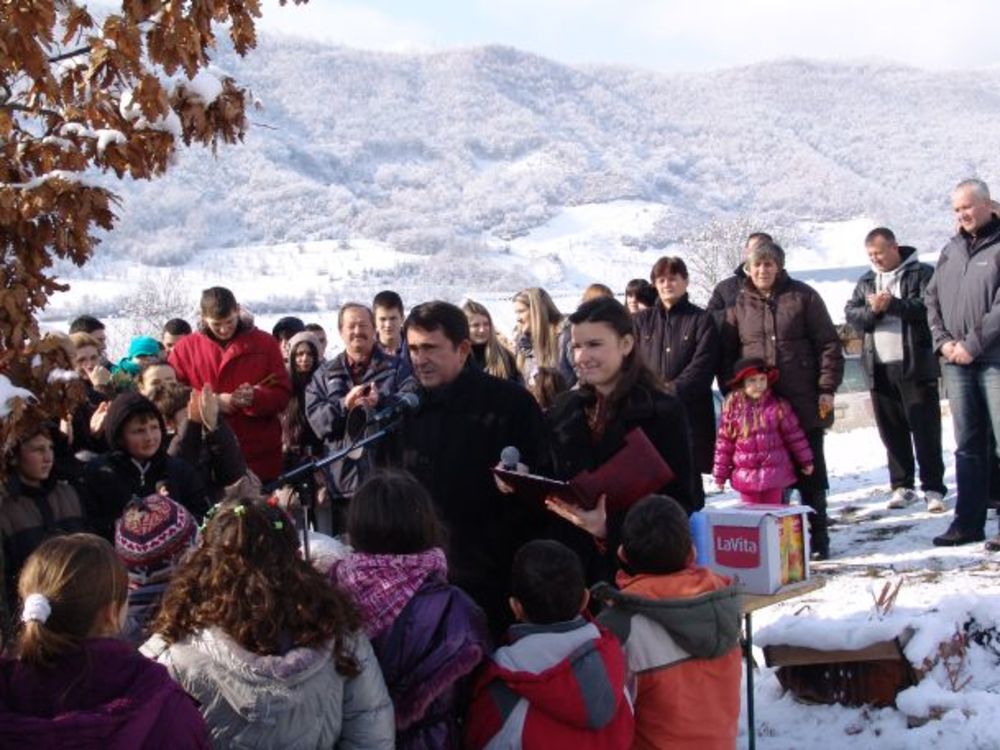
(750, 604)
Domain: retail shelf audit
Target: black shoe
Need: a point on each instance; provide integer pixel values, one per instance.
(955, 537)
(993, 545)
(820, 552)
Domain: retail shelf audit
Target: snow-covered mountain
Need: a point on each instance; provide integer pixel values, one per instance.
(477, 170)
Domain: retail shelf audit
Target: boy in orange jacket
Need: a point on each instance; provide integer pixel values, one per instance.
(679, 624)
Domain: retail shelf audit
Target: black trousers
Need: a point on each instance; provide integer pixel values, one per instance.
(908, 415)
(812, 489)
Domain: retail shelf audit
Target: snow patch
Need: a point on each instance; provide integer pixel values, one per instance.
(9, 392)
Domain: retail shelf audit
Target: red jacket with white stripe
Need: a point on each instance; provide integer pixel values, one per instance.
(555, 686)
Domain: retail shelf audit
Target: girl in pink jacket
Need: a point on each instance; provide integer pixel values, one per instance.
(759, 435)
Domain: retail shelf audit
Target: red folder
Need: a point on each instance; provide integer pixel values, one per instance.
(636, 470)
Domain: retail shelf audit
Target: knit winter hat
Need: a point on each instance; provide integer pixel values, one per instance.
(143, 346)
(152, 535)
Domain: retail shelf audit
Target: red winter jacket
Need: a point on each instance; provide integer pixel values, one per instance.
(253, 357)
(756, 442)
(555, 686)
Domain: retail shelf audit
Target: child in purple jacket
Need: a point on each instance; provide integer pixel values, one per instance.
(429, 636)
(72, 682)
(759, 436)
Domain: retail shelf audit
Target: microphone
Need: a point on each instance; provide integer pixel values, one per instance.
(510, 457)
(406, 403)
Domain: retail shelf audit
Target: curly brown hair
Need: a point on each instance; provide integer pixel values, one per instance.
(248, 580)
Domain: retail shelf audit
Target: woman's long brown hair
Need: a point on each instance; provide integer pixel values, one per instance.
(248, 580)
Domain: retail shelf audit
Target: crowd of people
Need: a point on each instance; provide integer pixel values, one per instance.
(454, 608)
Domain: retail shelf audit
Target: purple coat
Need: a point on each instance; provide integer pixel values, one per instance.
(427, 655)
(105, 696)
(756, 443)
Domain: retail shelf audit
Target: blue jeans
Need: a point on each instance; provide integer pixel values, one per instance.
(974, 396)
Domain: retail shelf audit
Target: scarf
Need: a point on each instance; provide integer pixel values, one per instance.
(382, 585)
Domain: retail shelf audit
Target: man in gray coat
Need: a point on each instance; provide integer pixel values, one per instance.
(963, 306)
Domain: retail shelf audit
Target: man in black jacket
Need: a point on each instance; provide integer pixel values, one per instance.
(465, 419)
(963, 308)
(900, 366)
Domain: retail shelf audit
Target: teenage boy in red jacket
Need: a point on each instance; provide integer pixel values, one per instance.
(243, 365)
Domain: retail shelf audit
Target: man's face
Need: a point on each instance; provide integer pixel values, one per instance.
(389, 321)
(671, 287)
(154, 376)
(883, 253)
(86, 359)
(436, 360)
(224, 328)
(101, 337)
(357, 332)
(170, 340)
(141, 436)
(971, 211)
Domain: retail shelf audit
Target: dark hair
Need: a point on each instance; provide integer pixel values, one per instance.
(218, 302)
(648, 295)
(392, 514)
(79, 575)
(312, 327)
(634, 371)
(439, 316)
(656, 536)
(86, 324)
(546, 384)
(248, 580)
(547, 579)
(177, 327)
(287, 327)
(353, 306)
(755, 237)
(880, 232)
(294, 424)
(388, 300)
(634, 286)
(668, 265)
(148, 365)
(170, 398)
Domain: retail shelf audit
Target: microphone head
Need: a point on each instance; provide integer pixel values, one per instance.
(409, 401)
(510, 457)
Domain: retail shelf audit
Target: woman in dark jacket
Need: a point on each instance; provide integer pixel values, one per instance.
(680, 343)
(786, 323)
(298, 441)
(587, 425)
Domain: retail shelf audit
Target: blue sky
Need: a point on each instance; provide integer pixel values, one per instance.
(670, 35)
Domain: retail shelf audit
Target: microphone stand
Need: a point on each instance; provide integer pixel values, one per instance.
(301, 478)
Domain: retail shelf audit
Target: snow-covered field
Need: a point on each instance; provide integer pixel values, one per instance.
(872, 545)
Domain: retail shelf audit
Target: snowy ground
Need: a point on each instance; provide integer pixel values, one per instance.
(871, 545)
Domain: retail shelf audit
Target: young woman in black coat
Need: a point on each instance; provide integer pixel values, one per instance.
(588, 425)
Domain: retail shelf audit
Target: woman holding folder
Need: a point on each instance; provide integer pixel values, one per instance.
(596, 423)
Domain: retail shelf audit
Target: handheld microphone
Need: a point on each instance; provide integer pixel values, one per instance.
(510, 457)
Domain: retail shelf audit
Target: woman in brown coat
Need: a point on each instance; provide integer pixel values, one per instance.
(786, 323)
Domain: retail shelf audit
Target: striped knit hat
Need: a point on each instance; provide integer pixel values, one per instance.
(152, 535)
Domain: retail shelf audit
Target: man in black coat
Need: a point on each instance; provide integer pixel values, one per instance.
(900, 366)
(451, 443)
(679, 342)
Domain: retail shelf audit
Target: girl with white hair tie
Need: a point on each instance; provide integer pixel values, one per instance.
(72, 682)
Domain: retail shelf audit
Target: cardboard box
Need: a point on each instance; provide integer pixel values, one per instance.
(763, 547)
